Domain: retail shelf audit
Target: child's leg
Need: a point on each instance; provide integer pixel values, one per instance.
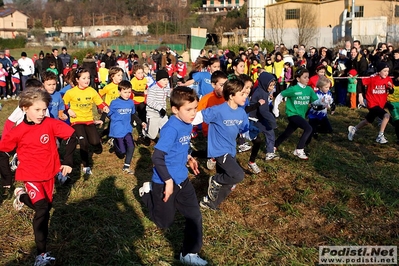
(94, 138)
(83, 143)
(314, 123)
(153, 120)
(5, 171)
(307, 130)
(291, 127)
(353, 100)
(140, 109)
(270, 139)
(129, 144)
(160, 212)
(39, 194)
(187, 205)
(384, 122)
(229, 173)
(325, 126)
(255, 148)
(120, 148)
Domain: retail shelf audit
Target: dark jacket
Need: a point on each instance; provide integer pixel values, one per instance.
(266, 121)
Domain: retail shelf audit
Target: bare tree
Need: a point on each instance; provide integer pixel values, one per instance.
(388, 9)
(276, 20)
(307, 26)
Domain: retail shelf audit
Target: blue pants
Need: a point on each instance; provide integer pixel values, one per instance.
(125, 146)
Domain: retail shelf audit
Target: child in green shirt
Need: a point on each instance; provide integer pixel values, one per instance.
(298, 95)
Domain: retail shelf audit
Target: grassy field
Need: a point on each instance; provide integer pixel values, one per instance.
(345, 194)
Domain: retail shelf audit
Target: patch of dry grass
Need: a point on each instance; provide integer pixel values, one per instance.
(346, 193)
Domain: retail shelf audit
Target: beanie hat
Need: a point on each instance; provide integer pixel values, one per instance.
(14, 62)
(161, 74)
(24, 54)
(352, 72)
(381, 66)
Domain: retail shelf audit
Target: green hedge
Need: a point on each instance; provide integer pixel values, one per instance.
(18, 42)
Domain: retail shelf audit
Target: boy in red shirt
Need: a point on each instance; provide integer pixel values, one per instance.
(39, 162)
(378, 87)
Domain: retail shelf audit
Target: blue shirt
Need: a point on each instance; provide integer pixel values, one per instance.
(174, 141)
(120, 112)
(56, 104)
(224, 125)
(65, 89)
(204, 82)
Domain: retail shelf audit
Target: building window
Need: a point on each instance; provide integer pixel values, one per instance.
(396, 11)
(12, 24)
(237, 2)
(212, 2)
(292, 13)
(359, 11)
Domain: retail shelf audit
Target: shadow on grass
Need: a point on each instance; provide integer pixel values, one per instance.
(100, 230)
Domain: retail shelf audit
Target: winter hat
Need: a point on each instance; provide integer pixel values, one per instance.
(352, 72)
(161, 74)
(343, 52)
(14, 62)
(24, 54)
(265, 79)
(381, 66)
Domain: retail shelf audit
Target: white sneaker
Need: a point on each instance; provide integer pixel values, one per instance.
(271, 156)
(14, 97)
(192, 259)
(110, 142)
(381, 139)
(44, 259)
(211, 163)
(8, 96)
(87, 171)
(300, 153)
(14, 163)
(244, 147)
(17, 204)
(254, 167)
(128, 171)
(351, 132)
(146, 188)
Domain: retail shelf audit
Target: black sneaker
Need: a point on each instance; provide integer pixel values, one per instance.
(213, 189)
(206, 203)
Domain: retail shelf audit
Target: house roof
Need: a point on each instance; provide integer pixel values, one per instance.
(4, 12)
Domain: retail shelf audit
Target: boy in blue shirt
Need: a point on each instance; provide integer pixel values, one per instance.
(121, 111)
(170, 189)
(56, 107)
(225, 122)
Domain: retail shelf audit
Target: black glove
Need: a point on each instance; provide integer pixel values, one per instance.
(317, 107)
(333, 107)
(391, 90)
(162, 112)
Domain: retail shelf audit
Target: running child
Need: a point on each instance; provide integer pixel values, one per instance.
(121, 111)
(80, 100)
(378, 87)
(298, 95)
(35, 140)
(170, 189)
(225, 122)
(318, 118)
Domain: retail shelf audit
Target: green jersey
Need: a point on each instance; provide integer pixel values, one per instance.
(298, 100)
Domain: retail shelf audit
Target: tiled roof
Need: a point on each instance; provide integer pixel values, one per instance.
(6, 11)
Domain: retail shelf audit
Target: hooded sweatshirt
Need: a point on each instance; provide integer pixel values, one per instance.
(266, 120)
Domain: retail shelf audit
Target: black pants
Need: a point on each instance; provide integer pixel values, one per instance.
(40, 221)
(87, 134)
(185, 201)
(142, 114)
(228, 174)
(319, 126)
(5, 171)
(255, 148)
(295, 122)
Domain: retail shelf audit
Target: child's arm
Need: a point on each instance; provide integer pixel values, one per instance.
(70, 147)
(158, 159)
(135, 118)
(277, 101)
